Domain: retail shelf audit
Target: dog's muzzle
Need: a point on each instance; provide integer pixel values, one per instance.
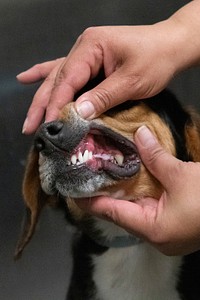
(95, 147)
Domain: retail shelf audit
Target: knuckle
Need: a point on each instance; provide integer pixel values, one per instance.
(48, 80)
(88, 34)
(138, 84)
(40, 71)
(178, 169)
(38, 67)
(102, 100)
(60, 77)
(60, 59)
(92, 36)
(134, 81)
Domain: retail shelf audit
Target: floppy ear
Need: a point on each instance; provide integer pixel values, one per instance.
(192, 133)
(34, 198)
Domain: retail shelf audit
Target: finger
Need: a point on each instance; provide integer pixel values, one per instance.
(39, 71)
(62, 83)
(83, 63)
(65, 88)
(133, 217)
(120, 86)
(39, 104)
(159, 162)
(33, 119)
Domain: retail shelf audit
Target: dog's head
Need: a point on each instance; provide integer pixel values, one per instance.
(76, 158)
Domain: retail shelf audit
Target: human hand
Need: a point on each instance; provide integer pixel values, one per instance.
(172, 223)
(137, 62)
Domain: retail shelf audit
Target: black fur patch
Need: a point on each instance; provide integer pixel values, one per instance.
(82, 286)
(171, 111)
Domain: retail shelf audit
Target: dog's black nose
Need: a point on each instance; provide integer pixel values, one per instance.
(48, 133)
(65, 135)
(54, 128)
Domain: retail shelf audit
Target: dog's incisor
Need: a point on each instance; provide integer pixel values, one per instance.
(74, 158)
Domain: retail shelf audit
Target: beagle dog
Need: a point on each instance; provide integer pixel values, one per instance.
(76, 158)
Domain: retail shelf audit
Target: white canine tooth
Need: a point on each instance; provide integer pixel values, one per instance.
(85, 156)
(80, 157)
(119, 158)
(90, 155)
(73, 159)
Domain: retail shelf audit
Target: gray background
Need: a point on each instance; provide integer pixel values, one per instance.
(33, 31)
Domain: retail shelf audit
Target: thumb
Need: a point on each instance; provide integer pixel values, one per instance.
(113, 90)
(136, 218)
(157, 160)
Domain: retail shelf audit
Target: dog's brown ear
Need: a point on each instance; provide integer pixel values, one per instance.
(192, 132)
(34, 198)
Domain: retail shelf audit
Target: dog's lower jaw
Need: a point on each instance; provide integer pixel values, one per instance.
(134, 273)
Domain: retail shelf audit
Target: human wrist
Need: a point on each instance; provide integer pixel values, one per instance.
(184, 26)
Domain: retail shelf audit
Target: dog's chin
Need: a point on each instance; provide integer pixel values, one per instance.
(76, 183)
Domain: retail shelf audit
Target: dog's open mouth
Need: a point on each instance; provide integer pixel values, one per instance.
(96, 148)
(105, 150)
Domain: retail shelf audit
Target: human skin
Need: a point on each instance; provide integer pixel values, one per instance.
(137, 65)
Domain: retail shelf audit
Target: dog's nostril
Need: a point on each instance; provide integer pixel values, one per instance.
(48, 135)
(54, 128)
(39, 144)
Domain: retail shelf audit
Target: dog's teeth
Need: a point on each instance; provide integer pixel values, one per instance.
(80, 157)
(73, 159)
(85, 155)
(119, 158)
(90, 155)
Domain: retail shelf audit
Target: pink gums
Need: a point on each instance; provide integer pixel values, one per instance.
(98, 145)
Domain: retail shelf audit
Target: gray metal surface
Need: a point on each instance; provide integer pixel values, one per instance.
(32, 31)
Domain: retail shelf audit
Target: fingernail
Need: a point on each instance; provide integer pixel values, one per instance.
(20, 75)
(145, 136)
(25, 126)
(85, 109)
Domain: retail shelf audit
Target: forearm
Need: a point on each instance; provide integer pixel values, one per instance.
(186, 36)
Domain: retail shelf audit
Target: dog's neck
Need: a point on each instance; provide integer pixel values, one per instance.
(109, 235)
(117, 241)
